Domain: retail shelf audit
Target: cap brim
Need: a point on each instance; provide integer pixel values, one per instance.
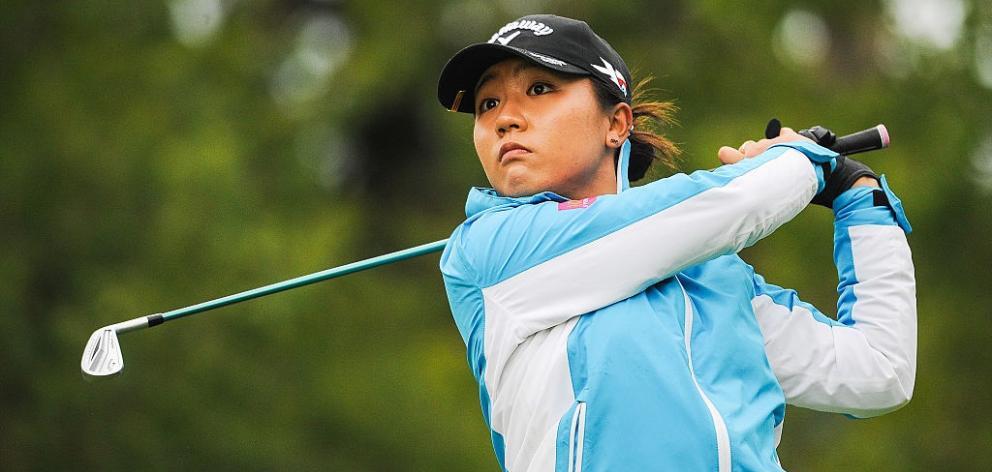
(464, 69)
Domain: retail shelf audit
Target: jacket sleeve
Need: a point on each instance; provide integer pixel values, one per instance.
(539, 265)
(864, 363)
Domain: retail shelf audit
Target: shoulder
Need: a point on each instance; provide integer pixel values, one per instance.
(488, 246)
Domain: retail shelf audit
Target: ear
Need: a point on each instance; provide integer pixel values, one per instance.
(621, 119)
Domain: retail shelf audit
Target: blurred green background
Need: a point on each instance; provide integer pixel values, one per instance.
(158, 154)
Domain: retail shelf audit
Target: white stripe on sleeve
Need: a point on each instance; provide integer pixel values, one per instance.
(864, 369)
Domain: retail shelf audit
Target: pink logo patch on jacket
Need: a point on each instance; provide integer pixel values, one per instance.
(573, 204)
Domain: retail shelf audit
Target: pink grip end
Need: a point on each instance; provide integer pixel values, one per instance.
(884, 133)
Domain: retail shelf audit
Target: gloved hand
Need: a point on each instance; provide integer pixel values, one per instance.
(845, 173)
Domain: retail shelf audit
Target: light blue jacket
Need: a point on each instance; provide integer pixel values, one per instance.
(622, 332)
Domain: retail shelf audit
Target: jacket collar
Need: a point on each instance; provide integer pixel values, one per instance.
(481, 199)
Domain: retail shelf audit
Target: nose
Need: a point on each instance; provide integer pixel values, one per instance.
(510, 117)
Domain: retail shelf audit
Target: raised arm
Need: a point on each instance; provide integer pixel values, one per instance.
(864, 363)
(540, 265)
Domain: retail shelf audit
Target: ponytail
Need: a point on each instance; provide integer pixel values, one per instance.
(647, 143)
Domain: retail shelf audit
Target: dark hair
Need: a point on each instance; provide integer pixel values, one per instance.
(647, 143)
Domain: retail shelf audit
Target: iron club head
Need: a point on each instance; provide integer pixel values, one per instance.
(102, 356)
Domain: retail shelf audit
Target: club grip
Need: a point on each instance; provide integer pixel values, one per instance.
(862, 141)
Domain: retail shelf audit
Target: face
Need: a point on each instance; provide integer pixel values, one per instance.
(537, 130)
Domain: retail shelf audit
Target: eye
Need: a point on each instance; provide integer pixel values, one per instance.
(487, 104)
(539, 88)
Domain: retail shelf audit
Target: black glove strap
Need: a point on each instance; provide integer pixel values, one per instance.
(844, 175)
(880, 199)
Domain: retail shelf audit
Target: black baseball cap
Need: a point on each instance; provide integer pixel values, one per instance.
(557, 43)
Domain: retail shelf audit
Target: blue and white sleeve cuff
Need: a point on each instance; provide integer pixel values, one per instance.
(817, 154)
(868, 205)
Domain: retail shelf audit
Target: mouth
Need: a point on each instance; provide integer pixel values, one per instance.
(511, 150)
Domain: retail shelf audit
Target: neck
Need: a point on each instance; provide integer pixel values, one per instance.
(604, 182)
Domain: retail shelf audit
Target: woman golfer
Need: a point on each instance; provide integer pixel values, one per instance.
(615, 328)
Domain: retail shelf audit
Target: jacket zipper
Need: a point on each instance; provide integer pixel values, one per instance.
(577, 436)
(719, 426)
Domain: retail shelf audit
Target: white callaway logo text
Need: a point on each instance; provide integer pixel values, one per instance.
(539, 29)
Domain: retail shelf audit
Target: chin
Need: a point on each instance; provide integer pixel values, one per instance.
(512, 192)
(518, 186)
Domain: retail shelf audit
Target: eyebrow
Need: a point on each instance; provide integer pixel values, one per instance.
(516, 70)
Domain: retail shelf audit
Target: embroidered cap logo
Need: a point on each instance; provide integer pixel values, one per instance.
(614, 75)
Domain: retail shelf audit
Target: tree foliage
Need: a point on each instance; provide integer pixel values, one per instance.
(154, 155)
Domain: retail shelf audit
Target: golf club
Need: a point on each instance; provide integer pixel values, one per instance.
(102, 356)
(871, 139)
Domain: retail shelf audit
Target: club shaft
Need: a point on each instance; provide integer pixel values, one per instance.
(306, 280)
(863, 141)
